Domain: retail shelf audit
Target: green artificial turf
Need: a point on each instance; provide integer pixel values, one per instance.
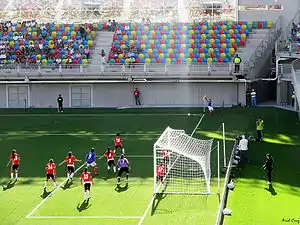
(41, 134)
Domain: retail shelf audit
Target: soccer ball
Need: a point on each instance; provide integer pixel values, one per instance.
(189, 114)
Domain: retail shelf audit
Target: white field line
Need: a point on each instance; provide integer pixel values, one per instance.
(95, 114)
(147, 210)
(37, 133)
(84, 217)
(45, 199)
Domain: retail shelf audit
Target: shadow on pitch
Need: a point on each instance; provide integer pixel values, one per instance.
(271, 190)
(121, 189)
(9, 185)
(83, 206)
(156, 202)
(45, 193)
(67, 185)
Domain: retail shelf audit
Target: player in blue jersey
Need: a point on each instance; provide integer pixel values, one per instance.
(123, 166)
(90, 160)
(209, 106)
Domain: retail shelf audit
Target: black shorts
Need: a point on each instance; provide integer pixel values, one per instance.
(123, 170)
(71, 169)
(50, 176)
(160, 178)
(111, 163)
(87, 186)
(118, 146)
(15, 167)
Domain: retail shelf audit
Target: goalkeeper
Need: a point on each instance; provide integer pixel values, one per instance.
(209, 105)
(123, 166)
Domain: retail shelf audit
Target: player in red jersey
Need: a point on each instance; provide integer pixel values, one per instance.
(110, 154)
(14, 160)
(160, 173)
(70, 160)
(165, 155)
(86, 179)
(118, 140)
(50, 170)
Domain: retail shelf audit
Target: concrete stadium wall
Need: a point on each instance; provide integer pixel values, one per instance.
(290, 8)
(121, 94)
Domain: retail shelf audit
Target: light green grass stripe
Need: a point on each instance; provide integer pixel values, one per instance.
(84, 217)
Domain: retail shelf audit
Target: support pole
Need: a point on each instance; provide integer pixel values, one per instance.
(224, 145)
(218, 167)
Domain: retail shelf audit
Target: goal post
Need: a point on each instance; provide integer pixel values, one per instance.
(186, 163)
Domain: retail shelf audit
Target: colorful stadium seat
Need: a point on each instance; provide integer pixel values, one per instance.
(202, 42)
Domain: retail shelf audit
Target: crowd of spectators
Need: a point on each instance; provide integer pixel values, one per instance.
(28, 43)
(130, 52)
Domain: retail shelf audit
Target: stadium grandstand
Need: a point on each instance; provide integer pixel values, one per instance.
(74, 74)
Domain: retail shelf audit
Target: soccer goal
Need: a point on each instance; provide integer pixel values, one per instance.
(186, 163)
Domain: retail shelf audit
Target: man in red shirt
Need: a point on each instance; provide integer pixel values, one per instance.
(70, 160)
(14, 160)
(110, 154)
(165, 155)
(136, 94)
(86, 179)
(160, 173)
(50, 170)
(118, 140)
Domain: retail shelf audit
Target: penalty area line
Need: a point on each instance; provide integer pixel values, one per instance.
(84, 217)
(52, 192)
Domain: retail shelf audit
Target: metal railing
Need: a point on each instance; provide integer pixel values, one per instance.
(285, 70)
(157, 70)
(282, 44)
(260, 52)
(296, 83)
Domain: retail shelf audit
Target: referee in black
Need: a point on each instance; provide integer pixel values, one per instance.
(60, 103)
(268, 166)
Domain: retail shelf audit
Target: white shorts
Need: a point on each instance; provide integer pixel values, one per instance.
(210, 108)
(93, 164)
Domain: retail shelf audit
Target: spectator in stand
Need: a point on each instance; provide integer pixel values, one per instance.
(148, 22)
(114, 25)
(131, 61)
(109, 25)
(102, 54)
(136, 94)
(127, 27)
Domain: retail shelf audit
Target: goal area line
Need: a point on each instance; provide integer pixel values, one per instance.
(84, 217)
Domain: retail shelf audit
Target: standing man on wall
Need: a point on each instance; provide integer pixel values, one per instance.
(237, 62)
(253, 98)
(259, 129)
(60, 103)
(136, 94)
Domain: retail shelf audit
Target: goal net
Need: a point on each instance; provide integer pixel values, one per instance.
(181, 163)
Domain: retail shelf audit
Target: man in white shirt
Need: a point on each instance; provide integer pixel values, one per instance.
(253, 98)
(243, 148)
